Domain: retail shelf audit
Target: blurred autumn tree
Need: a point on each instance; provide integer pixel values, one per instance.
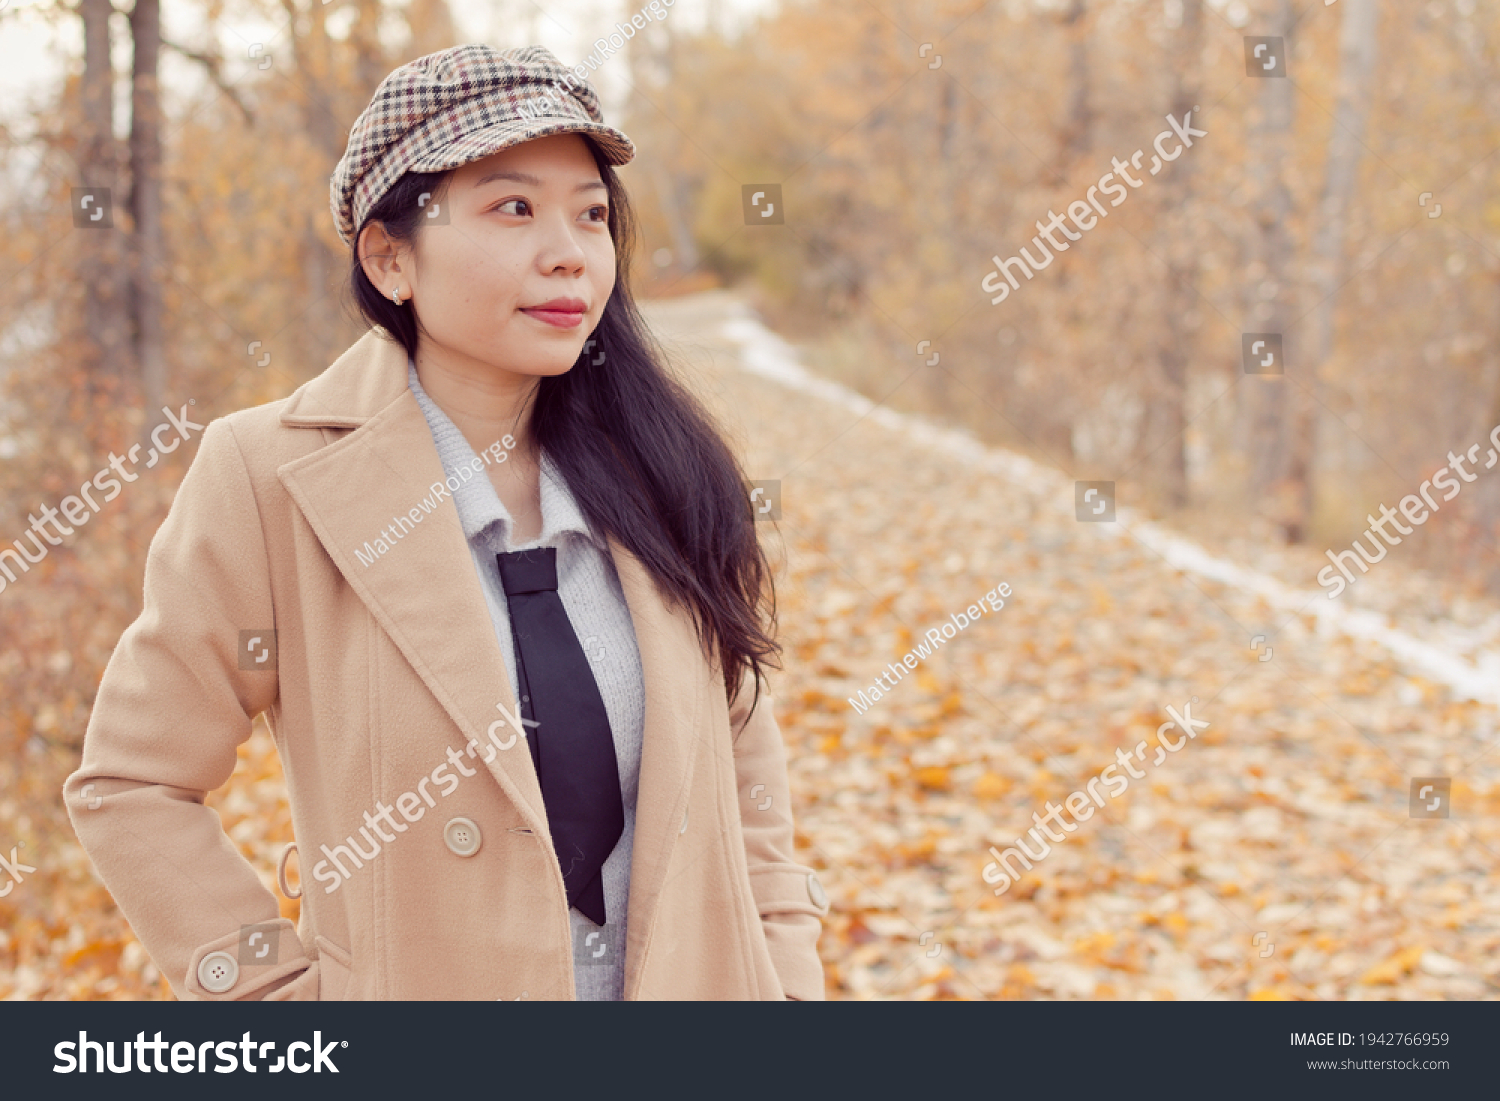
(915, 140)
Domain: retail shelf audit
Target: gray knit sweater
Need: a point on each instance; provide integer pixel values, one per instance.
(595, 603)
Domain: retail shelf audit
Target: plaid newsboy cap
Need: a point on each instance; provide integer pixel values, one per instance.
(455, 106)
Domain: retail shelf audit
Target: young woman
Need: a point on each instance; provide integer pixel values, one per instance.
(494, 579)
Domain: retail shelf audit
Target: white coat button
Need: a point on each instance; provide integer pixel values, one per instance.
(815, 891)
(461, 836)
(218, 972)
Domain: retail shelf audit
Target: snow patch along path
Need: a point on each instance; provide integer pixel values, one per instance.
(763, 353)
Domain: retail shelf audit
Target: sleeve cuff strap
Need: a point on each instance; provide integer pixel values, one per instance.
(787, 888)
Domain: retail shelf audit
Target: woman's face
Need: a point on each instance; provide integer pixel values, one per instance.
(518, 276)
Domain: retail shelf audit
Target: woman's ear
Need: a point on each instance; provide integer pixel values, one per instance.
(380, 259)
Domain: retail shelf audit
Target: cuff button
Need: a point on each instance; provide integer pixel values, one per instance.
(815, 891)
(218, 972)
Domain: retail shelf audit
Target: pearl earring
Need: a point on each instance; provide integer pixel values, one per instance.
(396, 295)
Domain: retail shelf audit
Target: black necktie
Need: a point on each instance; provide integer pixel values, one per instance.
(571, 745)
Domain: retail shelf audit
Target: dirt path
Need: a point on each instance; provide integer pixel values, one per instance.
(1272, 855)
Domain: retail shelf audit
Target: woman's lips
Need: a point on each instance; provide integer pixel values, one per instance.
(562, 319)
(561, 313)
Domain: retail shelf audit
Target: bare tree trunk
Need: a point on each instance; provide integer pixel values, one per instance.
(1167, 419)
(1057, 427)
(1075, 137)
(1267, 290)
(101, 266)
(1471, 41)
(370, 65)
(653, 69)
(431, 26)
(315, 77)
(1356, 71)
(944, 172)
(145, 206)
(685, 251)
(314, 338)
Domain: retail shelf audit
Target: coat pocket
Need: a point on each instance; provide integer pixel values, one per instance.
(336, 964)
(304, 988)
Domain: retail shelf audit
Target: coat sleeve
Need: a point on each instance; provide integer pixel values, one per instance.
(174, 703)
(790, 900)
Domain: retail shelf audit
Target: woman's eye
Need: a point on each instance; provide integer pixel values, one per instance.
(512, 203)
(602, 213)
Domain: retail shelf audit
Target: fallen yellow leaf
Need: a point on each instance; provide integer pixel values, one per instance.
(991, 786)
(1394, 968)
(934, 778)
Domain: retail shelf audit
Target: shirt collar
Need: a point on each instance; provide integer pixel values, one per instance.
(481, 512)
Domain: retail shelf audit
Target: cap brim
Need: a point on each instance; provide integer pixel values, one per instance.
(617, 148)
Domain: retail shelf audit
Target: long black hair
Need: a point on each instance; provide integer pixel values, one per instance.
(638, 451)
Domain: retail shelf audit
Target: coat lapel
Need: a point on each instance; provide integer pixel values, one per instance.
(421, 589)
(676, 678)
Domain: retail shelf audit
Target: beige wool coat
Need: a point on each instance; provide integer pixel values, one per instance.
(387, 695)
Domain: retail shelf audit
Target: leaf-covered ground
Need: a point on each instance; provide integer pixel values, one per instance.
(1273, 856)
